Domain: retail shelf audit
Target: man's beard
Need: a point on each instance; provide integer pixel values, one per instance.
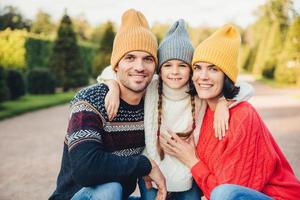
(138, 91)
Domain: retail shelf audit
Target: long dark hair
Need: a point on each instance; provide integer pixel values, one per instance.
(229, 89)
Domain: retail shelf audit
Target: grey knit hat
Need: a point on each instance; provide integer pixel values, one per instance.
(175, 45)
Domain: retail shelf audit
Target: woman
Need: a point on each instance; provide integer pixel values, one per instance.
(170, 104)
(247, 163)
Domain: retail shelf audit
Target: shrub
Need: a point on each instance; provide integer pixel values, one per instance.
(15, 83)
(40, 81)
(4, 92)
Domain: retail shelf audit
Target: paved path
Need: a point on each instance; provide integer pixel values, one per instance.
(31, 144)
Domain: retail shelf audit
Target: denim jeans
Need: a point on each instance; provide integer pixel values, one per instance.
(108, 191)
(193, 194)
(236, 192)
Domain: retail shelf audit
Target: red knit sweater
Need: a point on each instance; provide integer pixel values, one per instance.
(248, 156)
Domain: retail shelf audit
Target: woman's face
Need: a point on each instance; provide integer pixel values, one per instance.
(175, 73)
(208, 80)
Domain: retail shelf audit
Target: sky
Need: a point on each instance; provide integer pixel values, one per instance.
(195, 12)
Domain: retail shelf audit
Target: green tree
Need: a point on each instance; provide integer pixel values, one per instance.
(268, 34)
(82, 28)
(160, 30)
(42, 24)
(261, 51)
(98, 33)
(288, 70)
(10, 17)
(65, 60)
(102, 58)
(273, 50)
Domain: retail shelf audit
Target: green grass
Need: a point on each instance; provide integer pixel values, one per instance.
(32, 102)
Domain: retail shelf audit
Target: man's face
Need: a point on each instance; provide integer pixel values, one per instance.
(135, 70)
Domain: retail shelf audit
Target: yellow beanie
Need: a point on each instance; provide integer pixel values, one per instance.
(221, 49)
(134, 35)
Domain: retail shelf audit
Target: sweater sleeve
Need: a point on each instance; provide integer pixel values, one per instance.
(107, 74)
(245, 93)
(245, 159)
(89, 162)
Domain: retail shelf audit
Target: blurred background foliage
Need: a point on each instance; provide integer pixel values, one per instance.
(73, 52)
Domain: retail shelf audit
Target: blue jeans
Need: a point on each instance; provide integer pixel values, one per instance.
(108, 191)
(236, 192)
(193, 193)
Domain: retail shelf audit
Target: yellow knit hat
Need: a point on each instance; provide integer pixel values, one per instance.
(134, 35)
(221, 49)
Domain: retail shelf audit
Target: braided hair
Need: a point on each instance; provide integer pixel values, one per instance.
(192, 93)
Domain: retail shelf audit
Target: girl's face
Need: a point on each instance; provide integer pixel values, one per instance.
(175, 73)
(208, 80)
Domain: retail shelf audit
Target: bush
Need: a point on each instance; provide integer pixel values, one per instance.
(40, 81)
(15, 83)
(12, 51)
(37, 51)
(4, 92)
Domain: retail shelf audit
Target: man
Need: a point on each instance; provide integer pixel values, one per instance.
(102, 159)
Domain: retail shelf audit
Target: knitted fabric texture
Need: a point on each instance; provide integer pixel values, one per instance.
(221, 49)
(97, 150)
(134, 35)
(176, 45)
(177, 175)
(247, 156)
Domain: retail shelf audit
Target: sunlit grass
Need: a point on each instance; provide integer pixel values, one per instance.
(33, 102)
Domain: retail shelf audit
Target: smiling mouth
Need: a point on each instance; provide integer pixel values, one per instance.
(175, 79)
(138, 75)
(205, 86)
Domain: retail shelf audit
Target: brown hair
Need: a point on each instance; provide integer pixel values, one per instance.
(192, 93)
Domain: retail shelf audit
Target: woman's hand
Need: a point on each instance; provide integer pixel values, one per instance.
(183, 150)
(221, 118)
(112, 99)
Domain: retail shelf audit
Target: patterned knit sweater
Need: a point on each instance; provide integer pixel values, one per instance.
(247, 156)
(97, 151)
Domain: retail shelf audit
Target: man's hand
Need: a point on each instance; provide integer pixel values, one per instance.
(158, 178)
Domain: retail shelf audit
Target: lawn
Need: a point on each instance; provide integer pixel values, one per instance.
(32, 102)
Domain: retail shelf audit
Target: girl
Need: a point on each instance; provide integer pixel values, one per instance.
(247, 163)
(170, 104)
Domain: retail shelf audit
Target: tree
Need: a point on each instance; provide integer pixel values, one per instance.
(288, 70)
(10, 17)
(160, 30)
(273, 50)
(42, 24)
(102, 59)
(98, 32)
(65, 60)
(261, 51)
(82, 28)
(269, 33)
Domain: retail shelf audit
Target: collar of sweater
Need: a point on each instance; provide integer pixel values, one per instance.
(175, 94)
